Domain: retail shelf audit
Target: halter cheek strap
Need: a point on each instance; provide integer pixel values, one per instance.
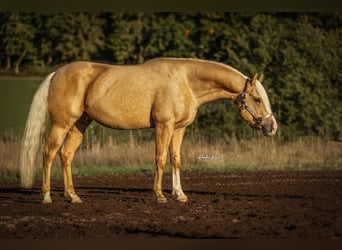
(242, 97)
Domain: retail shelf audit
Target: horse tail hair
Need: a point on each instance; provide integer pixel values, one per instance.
(34, 133)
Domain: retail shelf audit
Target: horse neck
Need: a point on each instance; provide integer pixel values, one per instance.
(212, 81)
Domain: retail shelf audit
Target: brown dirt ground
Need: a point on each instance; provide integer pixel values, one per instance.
(257, 205)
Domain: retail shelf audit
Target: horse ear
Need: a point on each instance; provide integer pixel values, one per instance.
(255, 77)
(261, 78)
(250, 86)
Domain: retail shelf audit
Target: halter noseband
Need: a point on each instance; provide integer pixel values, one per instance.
(242, 97)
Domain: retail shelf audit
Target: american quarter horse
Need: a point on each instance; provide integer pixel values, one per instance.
(163, 93)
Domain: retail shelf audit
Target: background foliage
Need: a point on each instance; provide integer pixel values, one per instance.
(300, 54)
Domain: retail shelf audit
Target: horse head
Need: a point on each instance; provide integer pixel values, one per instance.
(255, 108)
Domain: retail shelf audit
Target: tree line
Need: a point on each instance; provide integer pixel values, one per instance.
(300, 54)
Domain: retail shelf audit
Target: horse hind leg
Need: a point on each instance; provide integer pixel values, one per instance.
(67, 153)
(54, 141)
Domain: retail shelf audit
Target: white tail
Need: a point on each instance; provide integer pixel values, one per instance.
(35, 128)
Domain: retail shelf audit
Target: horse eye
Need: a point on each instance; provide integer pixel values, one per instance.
(257, 100)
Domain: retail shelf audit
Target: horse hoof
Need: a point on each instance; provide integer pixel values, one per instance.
(76, 199)
(182, 199)
(47, 200)
(73, 197)
(162, 200)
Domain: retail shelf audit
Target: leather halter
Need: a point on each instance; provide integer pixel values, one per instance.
(242, 98)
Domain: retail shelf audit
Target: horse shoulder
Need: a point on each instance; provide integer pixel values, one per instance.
(174, 100)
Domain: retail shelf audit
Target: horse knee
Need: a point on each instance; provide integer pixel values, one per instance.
(160, 163)
(65, 155)
(176, 161)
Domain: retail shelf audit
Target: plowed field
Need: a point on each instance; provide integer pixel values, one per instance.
(257, 205)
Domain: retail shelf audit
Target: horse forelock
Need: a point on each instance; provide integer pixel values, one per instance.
(262, 93)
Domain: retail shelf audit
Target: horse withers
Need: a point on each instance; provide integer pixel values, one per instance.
(163, 93)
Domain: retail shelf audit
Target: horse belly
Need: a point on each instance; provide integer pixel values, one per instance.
(120, 110)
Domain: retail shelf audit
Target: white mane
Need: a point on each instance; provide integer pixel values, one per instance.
(262, 92)
(203, 61)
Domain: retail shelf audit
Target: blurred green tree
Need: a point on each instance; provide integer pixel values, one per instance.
(300, 54)
(16, 34)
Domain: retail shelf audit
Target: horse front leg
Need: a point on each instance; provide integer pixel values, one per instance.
(175, 156)
(163, 137)
(67, 153)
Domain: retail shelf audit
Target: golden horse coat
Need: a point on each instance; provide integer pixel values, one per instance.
(164, 94)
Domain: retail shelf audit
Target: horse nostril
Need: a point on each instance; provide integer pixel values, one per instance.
(267, 130)
(270, 127)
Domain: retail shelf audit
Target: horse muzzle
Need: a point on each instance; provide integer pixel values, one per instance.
(269, 126)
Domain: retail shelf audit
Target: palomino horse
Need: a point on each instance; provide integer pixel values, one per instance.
(162, 93)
